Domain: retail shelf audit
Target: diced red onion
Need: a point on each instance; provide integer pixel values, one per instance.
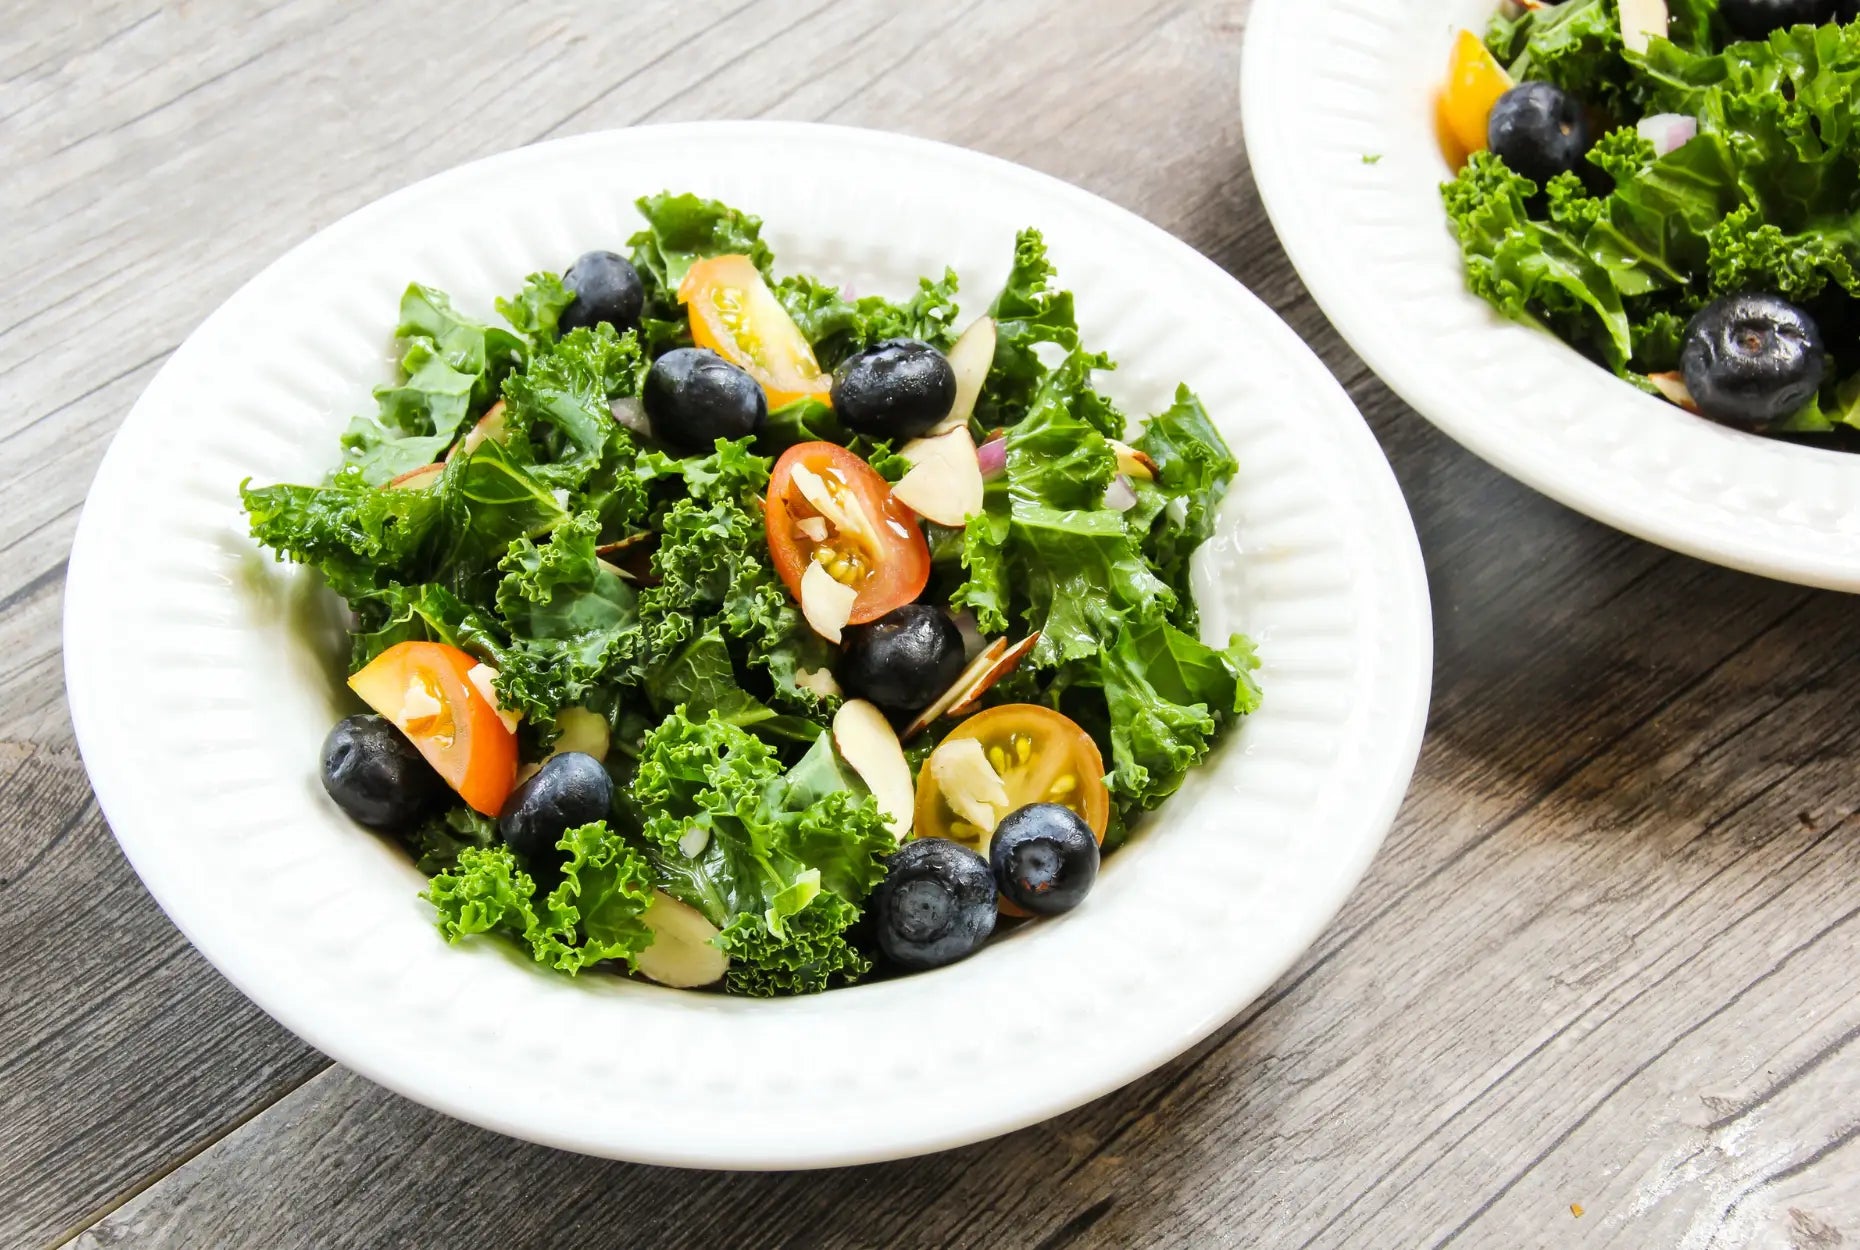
(1120, 495)
(1668, 132)
(631, 413)
(992, 456)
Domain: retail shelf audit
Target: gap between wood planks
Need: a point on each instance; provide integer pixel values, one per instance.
(142, 1186)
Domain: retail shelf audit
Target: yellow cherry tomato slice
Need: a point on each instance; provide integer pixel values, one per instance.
(1040, 757)
(735, 314)
(1475, 80)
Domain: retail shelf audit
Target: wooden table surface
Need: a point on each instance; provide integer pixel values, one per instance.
(1600, 988)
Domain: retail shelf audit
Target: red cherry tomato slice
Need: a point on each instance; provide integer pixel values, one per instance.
(863, 534)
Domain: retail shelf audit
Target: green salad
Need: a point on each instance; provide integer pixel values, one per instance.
(1674, 190)
(738, 630)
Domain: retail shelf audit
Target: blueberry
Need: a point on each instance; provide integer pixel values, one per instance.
(1755, 19)
(376, 775)
(607, 291)
(1752, 359)
(1045, 858)
(896, 389)
(936, 904)
(1538, 130)
(694, 397)
(570, 790)
(904, 659)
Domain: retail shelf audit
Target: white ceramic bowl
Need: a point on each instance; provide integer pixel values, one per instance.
(202, 677)
(1326, 83)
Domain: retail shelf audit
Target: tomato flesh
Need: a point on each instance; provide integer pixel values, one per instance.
(1040, 756)
(426, 690)
(883, 555)
(1475, 81)
(734, 313)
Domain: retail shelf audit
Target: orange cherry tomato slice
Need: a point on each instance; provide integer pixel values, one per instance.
(1475, 80)
(426, 690)
(888, 563)
(734, 313)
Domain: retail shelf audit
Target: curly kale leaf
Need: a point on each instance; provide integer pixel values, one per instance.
(809, 954)
(1529, 270)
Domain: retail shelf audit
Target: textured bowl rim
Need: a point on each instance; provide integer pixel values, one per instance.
(1402, 681)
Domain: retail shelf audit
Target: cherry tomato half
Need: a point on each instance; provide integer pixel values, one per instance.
(425, 688)
(734, 313)
(873, 544)
(1039, 755)
(1474, 82)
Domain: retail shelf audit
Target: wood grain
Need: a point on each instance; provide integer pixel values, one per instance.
(1607, 958)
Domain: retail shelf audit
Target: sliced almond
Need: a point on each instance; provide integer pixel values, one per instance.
(1003, 664)
(483, 679)
(818, 681)
(1641, 20)
(972, 356)
(1673, 387)
(812, 527)
(969, 783)
(684, 952)
(825, 602)
(944, 483)
(996, 661)
(621, 545)
(867, 742)
(419, 479)
(1133, 463)
(489, 427)
(844, 513)
(947, 700)
(582, 731)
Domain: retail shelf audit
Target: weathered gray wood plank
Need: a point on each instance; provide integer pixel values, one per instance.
(1607, 957)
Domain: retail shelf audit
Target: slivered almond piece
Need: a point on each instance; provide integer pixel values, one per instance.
(1640, 21)
(867, 742)
(996, 661)
(827, 604)
(945, 480)
(1004, 664)
(1133, 463)
(947, 700)
(418, 479)
(969, 783)
(972, 356)
(482, 677)
(1673, 387)
(845, 514)
(820, 682)
(683, 953)
(490, 426)
(619, 545)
